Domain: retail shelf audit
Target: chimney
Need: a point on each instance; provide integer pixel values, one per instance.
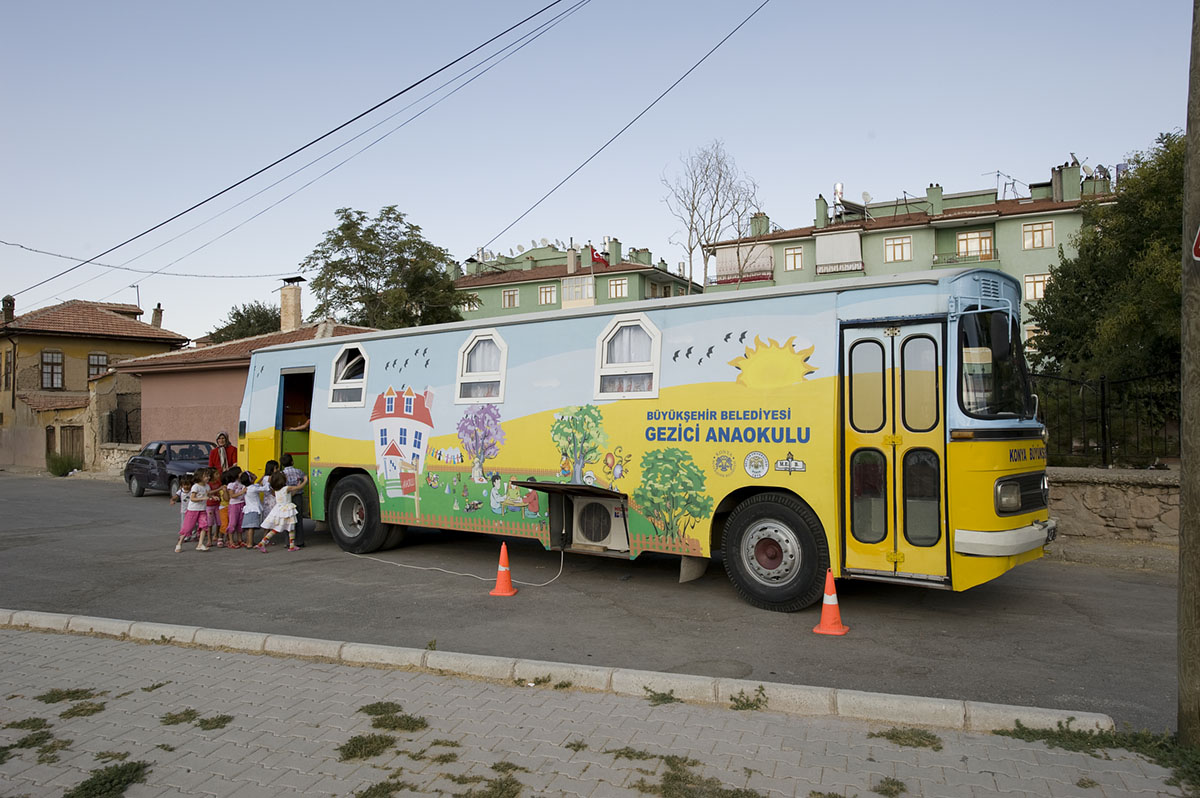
(289, 304)
(1056, 184)
(760, 224)
(156, 316)
(572, 260)
(10, 308)
(614, 252)
(933, 195)
(1070, 182)
(822, 212)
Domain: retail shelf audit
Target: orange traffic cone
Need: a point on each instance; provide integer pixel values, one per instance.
(831, 616)
(504, 585)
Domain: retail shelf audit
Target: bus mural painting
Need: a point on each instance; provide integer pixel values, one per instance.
(879, 427)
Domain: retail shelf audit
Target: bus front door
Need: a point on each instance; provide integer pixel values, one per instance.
(894, 509)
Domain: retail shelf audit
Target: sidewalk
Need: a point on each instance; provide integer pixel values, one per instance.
(267, 724)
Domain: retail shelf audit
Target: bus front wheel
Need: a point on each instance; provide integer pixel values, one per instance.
(775, 553)
(354, 515)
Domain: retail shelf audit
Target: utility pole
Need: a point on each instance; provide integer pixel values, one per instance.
(1189, 482)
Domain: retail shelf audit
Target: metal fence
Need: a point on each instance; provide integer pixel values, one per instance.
(123, 426)
(1127, 422)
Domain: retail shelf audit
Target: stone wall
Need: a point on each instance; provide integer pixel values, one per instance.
(1115, 505)
(111, 457)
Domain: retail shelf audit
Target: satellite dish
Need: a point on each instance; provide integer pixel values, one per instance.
(837, 192)
(545, 242)
(1087, 170)
(510, 252)
(866, 198)
(520, 247)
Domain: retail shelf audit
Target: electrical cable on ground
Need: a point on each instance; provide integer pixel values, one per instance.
(561, 560)
(630, 124)
(293, 152)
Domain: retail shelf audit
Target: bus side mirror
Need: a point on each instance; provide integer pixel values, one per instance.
(1001, 331)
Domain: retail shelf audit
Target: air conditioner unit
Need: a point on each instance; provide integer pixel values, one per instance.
(599, 524)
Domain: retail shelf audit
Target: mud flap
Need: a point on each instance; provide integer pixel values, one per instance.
(691, 568)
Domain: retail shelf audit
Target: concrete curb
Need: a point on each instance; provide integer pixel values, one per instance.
(788, 698)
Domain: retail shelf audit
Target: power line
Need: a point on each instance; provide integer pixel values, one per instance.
(145, 271)
(295, 151)
(643, 112)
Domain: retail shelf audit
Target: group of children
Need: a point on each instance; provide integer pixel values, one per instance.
(225, 509)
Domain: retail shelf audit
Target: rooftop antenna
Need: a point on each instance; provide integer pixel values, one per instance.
(1009, 183)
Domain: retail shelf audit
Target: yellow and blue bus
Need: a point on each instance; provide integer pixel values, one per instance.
(882, 428)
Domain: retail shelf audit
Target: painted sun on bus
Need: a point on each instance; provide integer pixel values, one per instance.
(882, 428)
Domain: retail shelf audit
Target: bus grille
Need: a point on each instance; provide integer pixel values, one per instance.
(1032, 497)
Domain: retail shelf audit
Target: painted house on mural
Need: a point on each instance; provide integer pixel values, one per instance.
(195, 393)
(546, 277)
(50, 357)
(993, 227)
(401, 428)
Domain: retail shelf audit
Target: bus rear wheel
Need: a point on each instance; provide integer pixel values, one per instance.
(775, 553)
(354, 515)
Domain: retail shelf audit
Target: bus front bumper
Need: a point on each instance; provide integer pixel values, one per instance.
(1005, 542)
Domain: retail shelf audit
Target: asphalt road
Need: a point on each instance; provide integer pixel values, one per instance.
(1049, 634)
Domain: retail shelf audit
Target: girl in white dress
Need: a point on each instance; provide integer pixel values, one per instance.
(282, 517)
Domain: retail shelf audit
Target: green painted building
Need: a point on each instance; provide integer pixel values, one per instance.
(1019, 236)
(546, 277)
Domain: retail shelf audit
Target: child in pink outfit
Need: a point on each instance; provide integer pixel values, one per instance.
(196, 514)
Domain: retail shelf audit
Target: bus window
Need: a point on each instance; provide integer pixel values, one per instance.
(868, 496)
(922, 524)
(866, 386)
(994, 382)
(919, 382)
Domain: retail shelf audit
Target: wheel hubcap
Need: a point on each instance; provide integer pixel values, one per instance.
(352, 515)
(771, 553)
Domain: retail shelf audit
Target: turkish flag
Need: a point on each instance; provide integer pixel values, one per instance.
(598, 258)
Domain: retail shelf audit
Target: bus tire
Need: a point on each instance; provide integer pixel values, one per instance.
(395, 536)
(354, 515)
(775, 553)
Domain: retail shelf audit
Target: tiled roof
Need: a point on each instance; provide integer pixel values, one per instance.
(53, 401)
(1015, 207)
(91, 320)
(235, 352)
(552, 272)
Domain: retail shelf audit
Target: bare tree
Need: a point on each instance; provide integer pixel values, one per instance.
(712, 199)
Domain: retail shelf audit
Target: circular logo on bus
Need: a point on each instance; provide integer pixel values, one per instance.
(756, 464)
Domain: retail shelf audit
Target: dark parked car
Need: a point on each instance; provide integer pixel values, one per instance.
(160, 464)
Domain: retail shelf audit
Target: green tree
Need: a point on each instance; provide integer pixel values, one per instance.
(1114, 308)
(256, 318)
(578, 432)
(671, 494)
(382, 273)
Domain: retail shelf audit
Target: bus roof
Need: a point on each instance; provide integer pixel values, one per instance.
(745, 295)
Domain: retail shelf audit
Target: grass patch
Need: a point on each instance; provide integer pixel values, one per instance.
(680, 781)
(631, 753)
(384, 789)
(48, 753)
(58, 695)
(508, 767)
(182, 716)
(657, 699)
(576, 745)
(112, 756)
(447, 743)
(5, 753)
(503, 787)
(1086, 784)
(215, 722)
(741, 701)
(110, 782)
(124, 694)
(401, 722)
(462, 778)
(33, 740)
(445, 759)
(29, 724)
(912, 738)
(381, 708)
(1163, 749)
(365, 746)
(890, 788)
(819, 794)
(165, 747)
(563, 685)
(431, 645)
(82, 709)
(154, 687)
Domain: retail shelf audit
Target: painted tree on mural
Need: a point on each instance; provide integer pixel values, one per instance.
(481, 435)
(671, 494)
(578, 432)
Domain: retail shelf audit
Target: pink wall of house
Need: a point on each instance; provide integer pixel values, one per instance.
(192, 405)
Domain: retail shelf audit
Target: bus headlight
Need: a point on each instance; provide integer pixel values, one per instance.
(1008, 497)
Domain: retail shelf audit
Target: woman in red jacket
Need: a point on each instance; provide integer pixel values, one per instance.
(224, 456)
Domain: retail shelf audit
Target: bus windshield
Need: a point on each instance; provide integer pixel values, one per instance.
(994, 382)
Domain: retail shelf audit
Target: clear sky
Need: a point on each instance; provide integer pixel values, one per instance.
(118, 115)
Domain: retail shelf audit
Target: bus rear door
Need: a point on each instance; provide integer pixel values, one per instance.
(894, 508)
